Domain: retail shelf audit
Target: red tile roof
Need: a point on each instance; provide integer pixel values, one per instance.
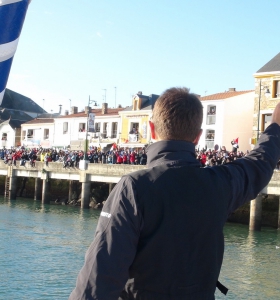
(97, 112)
(37, 121)
(220, 96)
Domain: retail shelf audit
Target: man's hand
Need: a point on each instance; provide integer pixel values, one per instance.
(276, 115)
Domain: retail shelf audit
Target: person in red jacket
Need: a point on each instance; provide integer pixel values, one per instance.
(119, 158)
(125, 157)
(132, 158)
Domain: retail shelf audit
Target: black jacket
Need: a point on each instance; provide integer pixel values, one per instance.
(160, 234)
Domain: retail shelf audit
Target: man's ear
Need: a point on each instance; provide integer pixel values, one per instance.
(152, 128)
(196, 140)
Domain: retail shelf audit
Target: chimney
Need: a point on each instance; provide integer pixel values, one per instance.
(139, 93)
(87, 110)
(74, 110)
(104, 109)
(60, 108)
(66, 112)
(231, 90)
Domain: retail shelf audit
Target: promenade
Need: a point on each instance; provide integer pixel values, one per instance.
(107, 173)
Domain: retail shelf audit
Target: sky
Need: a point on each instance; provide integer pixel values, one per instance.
(107, 50)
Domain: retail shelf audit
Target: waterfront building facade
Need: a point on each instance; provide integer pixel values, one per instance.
(267, 94)
(38, 132)
(69, 130)
(135, 131)
(227, 116)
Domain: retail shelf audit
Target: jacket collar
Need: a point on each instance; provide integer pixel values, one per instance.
(171, 152)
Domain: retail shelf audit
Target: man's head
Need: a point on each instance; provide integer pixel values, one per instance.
(177, 115)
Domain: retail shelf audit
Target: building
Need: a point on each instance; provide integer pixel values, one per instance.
(227, 116)
(267, 94)
(71, 129)
(15, 110)
(135, 131)
(38, 132)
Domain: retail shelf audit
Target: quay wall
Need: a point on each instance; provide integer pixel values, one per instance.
(102, 175)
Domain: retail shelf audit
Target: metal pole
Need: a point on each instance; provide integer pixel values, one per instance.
(86, 141)
(258, 135)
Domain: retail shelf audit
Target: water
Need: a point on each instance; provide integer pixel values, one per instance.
(42, 249)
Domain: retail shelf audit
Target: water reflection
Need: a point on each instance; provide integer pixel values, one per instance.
(42, 249)
(251, 264)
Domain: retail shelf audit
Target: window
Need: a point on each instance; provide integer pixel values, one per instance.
(276, 89)
(133, 133)
(267, 120)
(114, 129)
(97, 127)
(105, 127)
(134, 127)
(82, 127)
(46, 134)
(65, 127)
(4, 136)
(23, 134)
(209, 138)
(30, 133)
(211, 115)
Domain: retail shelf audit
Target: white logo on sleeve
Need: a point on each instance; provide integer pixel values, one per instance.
(105, 214)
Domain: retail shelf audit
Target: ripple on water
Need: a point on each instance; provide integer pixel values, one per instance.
(43, 246)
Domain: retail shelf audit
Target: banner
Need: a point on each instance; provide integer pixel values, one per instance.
(91, 117)
(12, 15)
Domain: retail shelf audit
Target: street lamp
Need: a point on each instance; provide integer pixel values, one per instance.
(267, 93)
(86, 141)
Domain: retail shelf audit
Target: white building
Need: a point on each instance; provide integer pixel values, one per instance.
(227, 116)
(38, 132)
(70, 129)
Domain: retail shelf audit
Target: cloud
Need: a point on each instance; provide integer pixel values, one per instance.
(99, 34)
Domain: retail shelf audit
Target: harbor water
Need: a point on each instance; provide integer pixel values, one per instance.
(42, 249)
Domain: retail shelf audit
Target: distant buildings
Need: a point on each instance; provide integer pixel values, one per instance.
(127, 127)
(227, 116)
(15, 110)
(267, 94)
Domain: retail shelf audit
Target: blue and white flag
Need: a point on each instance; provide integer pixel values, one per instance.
(12, 15)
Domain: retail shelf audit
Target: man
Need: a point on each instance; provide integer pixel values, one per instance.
(160, 234)
(235, 146)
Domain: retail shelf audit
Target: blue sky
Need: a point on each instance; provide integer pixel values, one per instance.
(73, 49)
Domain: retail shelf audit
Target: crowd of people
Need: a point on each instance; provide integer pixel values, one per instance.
(208, 157)
(116, 155)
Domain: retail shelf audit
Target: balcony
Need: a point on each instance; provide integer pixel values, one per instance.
(133, 137)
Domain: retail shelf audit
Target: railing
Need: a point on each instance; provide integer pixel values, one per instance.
(133, 137)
